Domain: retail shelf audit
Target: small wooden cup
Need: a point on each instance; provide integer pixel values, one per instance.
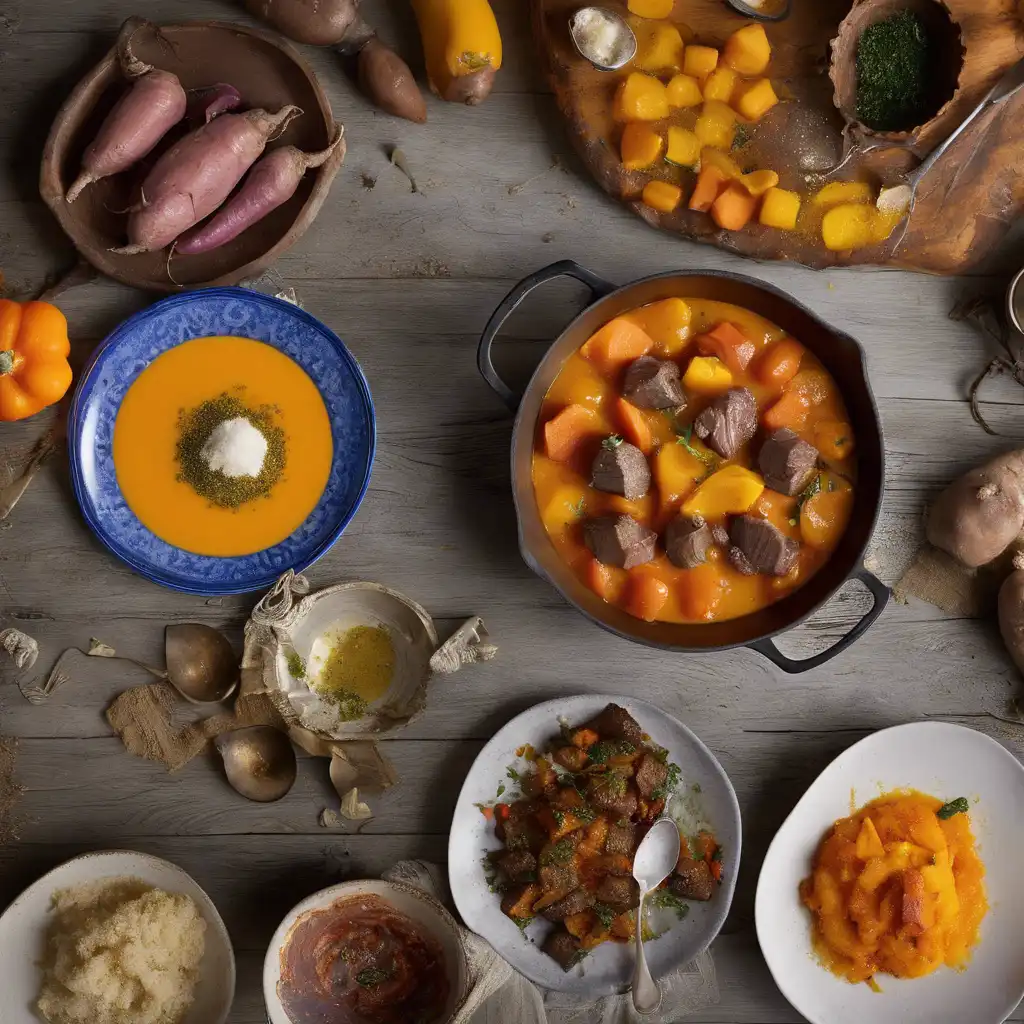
(948, 61)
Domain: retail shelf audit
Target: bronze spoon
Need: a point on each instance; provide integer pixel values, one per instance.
(259, 762)
(201, 664)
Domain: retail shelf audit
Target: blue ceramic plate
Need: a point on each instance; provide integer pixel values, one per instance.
(131, 348)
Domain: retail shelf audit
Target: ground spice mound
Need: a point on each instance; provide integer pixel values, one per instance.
(194, 429)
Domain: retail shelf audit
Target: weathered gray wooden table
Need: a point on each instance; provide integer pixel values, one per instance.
(408, 281)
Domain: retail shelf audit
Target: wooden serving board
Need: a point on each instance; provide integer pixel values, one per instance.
(964, 207)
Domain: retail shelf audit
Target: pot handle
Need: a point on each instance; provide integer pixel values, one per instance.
(881, 594)
(599, 288)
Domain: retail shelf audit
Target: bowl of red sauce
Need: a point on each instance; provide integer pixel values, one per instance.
(366, 952)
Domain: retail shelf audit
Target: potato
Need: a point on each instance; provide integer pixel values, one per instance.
(980, 515)
(319, 22)
(1011, 612)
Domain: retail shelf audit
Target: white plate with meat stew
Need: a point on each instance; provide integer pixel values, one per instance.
(541, 844)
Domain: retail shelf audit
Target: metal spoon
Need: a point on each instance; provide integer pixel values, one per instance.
(259, 762)
(1010, 83)
(201, 663)
(626, 52)
(780, 12)
(655, 860)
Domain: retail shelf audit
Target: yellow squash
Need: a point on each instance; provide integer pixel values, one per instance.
(462, 47)
(34, 349)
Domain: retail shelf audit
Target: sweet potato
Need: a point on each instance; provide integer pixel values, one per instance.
(387, 80)
(153, 105)
(197, 174)
(272, 181)
(1011, 612)
(565, 431)
(319, 22)
(979, 516)
(206, 104)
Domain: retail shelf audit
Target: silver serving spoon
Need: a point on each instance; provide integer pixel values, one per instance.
(1010, 83)
(776, 12)
(259, 762)
(627, 39)
(655, 860)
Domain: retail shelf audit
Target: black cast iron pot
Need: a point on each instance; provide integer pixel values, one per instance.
(840, 354)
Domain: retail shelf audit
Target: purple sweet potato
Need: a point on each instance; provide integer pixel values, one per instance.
(206, 104)
(153, 105)
(197, 174)
(271, 182)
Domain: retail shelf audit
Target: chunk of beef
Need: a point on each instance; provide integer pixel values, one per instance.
(687, 540)
(692, 880)
(613, 793)
(571, 758)
(562, 878)
(764, 545)
(728, 423)
(654, 384)
(621, 468)
(621, 839)
(518, 865)
(616, 723)
(563, 948)
(650, 775)
(619, 892)
(720, 535)
(521, 830)
(575, 903)
(786, 462)
(619, 540)
(741, 563)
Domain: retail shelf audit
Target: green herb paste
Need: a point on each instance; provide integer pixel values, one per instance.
(893, 58)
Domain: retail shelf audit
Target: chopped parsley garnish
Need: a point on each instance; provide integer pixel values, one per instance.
(580, 508)
(501, 788)
(813, 488)
(611, 442)
(670, 783)
(558, 853)
(957, 806)
(372, 977)
(600, 752)
(512, 774)
(717, 855)
(522, 923)
(684, 439)
(604, 914)
(661, 753)
(585, 814)
(665, 899)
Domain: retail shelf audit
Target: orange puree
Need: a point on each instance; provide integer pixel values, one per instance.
(896, 890)
(146, 433)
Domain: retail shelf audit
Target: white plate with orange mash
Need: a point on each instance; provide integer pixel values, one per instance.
(220, 437)
(892, 893)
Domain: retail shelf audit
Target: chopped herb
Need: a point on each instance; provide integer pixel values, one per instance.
(501, 788)
(372, 977)
(684, 439)
(813, 488)
(600, 752)
(611, 442)
(605, 914)
(670, 783)
(577, 958)
(579, 508)
(661, 753)
(558, 853)
(559, 817)
(296, 666)
(717, 855)
(665, 899)
(512, 774)
(585, 814)
(957, 806)
(893, 58)
(742, 136)
(522, 923)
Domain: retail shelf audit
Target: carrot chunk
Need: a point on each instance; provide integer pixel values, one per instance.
(733, 208)
(729, 344)
(780, 363)
(619, 342)
(789, 411)
(564, 432)
(702, 592)
(711, 182)
(600, 579)
(634, 425)
(646, 596)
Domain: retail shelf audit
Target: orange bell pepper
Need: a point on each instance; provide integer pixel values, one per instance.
(34, 350)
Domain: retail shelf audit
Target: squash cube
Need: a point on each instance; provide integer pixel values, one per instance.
(707, 375)
(662, 195)
(758, 182)
(641, 146)
(836, 192)
(666, 323)
(849, 226)
(676, 473)
(720, 85)
(716, 126)
(729, 492)
(641, 98)
(700, 61)
(747, 50)
(684, 91)
(659, 48)
(651, 8)
(683, 147)
(780, 209)
(756, 100)
(711, 157)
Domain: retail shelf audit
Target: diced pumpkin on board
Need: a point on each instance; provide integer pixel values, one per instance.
(707, 375)
(646, 595)
(711, 182)
(635, 427)
(755, 100)
(641, 98)
(720, 84)
(641, 145)
(848, 226)
(619, 342)
(659, 48)
(747, 51)
(662, 196)
(716, 125)
(836, 192)
(729, 492)
(683, 147)
(684, 91)
(780, 208)
(729, 344)
(666, 323)
(734, 208)
(711, 157)
(650, 8)
(700, 61)
(564, 432)
(759, 182)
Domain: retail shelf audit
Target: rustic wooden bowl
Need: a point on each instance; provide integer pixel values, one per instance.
(949, 61)
(269, 73)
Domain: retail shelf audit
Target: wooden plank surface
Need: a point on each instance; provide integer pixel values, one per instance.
(409, 280)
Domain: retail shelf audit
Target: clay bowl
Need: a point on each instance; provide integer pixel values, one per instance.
(948, 61)
(269, 73)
